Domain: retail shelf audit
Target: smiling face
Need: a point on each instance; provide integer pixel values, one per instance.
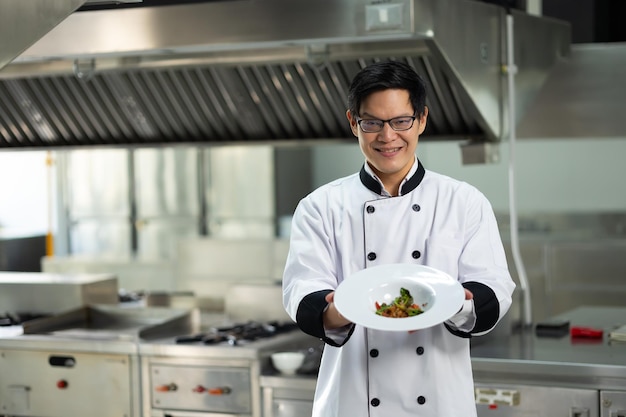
(389, 153)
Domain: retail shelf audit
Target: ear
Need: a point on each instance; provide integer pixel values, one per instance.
(422, 120)
(353, 124)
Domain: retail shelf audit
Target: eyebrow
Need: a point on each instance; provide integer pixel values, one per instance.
(378, 118)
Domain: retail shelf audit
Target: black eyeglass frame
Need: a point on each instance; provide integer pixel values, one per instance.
(388, 121)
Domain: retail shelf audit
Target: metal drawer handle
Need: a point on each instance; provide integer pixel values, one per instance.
(579, 412)
(64, 361)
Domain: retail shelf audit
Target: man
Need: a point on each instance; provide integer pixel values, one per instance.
(394, 211)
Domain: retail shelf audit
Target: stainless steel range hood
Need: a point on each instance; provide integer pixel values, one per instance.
(252, 71)
(22, 23)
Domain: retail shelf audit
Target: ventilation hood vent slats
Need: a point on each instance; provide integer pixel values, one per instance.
(196, 104)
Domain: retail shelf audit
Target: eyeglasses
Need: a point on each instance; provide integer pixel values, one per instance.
(396, 123)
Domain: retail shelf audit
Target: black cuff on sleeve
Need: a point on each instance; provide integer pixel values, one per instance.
(309, 314)
(309, 317)
(458, 333)
(486, 306)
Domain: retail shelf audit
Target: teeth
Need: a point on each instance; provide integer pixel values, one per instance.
(390, 150)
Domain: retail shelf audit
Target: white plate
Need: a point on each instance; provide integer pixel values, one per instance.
(437, 293)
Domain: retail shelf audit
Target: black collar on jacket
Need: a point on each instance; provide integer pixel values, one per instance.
(412, 183)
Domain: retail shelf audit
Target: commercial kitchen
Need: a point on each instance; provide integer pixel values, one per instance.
(153, 152)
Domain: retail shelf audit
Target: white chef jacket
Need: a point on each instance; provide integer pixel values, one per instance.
(351, 224)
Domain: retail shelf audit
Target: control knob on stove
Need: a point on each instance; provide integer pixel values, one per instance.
(166, 388)
(219, 391)
(62, 384)
(199, 389)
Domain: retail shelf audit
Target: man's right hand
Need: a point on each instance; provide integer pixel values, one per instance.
(332, 318)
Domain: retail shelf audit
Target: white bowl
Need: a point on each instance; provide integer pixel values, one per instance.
(438, 294)
(385, 292)
(287, 362)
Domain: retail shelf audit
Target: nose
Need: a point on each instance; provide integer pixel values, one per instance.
(387, 133)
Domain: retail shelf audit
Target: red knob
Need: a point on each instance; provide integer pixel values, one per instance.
(218, 391)
(62, 384)
(586, 332)
(166, 388)
(199, 389)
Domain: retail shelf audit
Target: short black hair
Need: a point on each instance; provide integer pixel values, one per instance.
(387, 75)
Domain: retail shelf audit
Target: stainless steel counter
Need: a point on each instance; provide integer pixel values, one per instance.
(526, 358)
(517, 375)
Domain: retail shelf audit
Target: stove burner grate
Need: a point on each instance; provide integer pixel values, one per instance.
(238, 334)
(16, 319)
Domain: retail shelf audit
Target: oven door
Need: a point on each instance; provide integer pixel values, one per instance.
(205, 389)
(45, 384)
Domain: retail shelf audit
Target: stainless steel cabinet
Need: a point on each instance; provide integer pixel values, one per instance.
(291, 408)
(612, 403)
(500, 400)
(285, 396)
(72, 384)
(293, 397)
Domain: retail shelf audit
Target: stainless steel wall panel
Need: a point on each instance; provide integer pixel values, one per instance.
(98, 183)
(582, 97)
(157, 238)
(166, 182)
(240, 183)
(104, 237)
(591, 272)
(241, 228)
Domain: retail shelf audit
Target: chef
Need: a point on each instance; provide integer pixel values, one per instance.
(394, 210)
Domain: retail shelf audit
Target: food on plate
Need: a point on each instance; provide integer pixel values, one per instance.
(402, 306)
